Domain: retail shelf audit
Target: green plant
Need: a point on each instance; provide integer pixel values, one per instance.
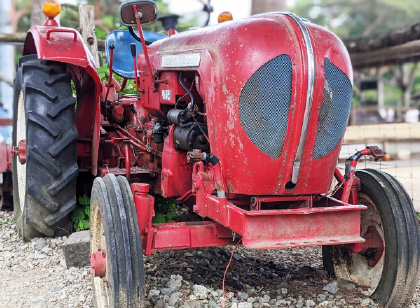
(80, 215)
(130, 88)
(4, 223)
(165, 209)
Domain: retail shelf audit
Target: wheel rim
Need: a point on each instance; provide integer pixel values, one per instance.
(97, 242)
(354, 267)
(21, 135)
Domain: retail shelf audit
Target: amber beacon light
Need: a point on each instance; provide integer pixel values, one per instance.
(51, 9)
(224, 16)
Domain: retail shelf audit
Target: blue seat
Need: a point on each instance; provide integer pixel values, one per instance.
(123, 61)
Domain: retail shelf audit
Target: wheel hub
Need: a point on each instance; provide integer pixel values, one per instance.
(98, 263)
(20, 151)
(372, 249)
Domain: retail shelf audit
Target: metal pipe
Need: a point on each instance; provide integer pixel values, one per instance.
(127, 161)
(143, 42)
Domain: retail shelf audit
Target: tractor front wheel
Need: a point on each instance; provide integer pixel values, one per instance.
(116, 250)
(390, 267)
(44, 182)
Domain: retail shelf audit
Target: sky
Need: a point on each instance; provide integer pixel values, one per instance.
(239, 8)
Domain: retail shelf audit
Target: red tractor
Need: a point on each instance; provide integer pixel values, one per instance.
(241, 122)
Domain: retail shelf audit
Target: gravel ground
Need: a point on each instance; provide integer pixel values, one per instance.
(34, 275)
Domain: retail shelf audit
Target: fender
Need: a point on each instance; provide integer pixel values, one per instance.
(66, 45)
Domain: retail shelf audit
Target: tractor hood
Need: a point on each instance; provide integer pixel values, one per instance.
(277, 92)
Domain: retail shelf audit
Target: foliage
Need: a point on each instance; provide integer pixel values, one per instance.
(4, 223)
(130, 88)
(353, 18)
(80, 216)
(165, 209)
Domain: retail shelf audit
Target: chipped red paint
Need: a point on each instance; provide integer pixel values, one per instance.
(230, 54)
(242, 190)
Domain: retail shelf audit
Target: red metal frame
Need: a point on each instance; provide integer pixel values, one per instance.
(5, 157)
(327, 222)
(6, 122)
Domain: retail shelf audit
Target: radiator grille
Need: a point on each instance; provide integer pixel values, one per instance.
(264, 105)
(335, 110)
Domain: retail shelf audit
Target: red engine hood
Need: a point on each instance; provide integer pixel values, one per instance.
(230, 53)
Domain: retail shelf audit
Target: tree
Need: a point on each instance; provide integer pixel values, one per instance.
(37, 16)
(353, 18)
(262, 6)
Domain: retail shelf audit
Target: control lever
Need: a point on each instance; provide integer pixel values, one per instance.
(133, 48)
(111, 58)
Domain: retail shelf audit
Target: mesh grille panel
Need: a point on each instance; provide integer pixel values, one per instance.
(264, 105)
(335, 110)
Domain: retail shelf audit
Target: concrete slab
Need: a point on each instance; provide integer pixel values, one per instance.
(76, 249)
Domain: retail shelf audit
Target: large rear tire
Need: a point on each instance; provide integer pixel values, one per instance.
(44, 188)
(115, 233)
(394, 278)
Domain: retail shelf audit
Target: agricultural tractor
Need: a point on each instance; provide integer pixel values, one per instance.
(240, 122)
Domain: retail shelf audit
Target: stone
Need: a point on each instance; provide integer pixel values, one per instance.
(306, 271)
(41, 243)
(82, 298)
(197, 279)
(344, 284)
(265, 299)
(321, 298)
(250, 300)
(167, 291)
(245, 305)
(194, 304)
(331, 287)
(160, 304)
(365, 302)
(56, 288)
(243, 295)
(212, 304)
(76, 249)
(153, 292)
(39, 299)
(200, 291)
(173, 299)
(310, 303)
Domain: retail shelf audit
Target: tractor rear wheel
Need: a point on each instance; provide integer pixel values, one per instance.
(44, 188)
(116, 251)
(393, 275)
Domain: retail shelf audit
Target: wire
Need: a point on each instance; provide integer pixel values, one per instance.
(187, 90)
(176, 104)
(224, 276)
(201, 129)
